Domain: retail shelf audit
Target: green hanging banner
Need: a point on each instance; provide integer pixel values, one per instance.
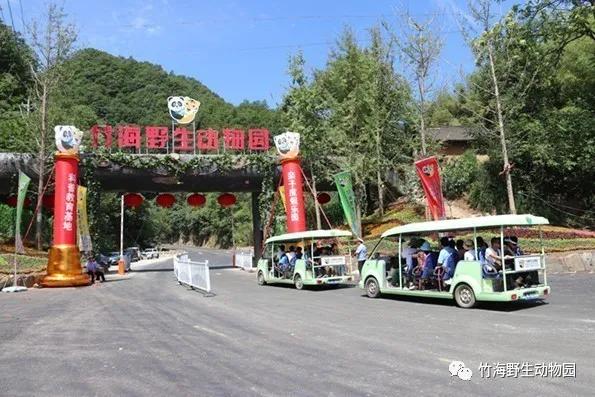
(23, 185)
(347, 196)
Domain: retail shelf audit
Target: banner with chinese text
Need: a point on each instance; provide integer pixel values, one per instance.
(84, 237)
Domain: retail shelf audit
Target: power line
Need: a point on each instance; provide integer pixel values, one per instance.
(22, 15)
(295, 18)
(10, 12)
(586, 213)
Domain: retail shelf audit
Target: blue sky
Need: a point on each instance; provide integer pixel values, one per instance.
(240, 49)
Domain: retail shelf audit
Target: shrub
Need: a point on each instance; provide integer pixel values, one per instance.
(459, 174)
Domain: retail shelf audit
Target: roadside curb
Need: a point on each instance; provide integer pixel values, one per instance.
(572, 263)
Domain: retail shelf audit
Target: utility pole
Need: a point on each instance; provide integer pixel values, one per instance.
(316, 203)
(122, 262)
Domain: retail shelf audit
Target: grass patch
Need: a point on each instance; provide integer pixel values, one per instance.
(25, 264)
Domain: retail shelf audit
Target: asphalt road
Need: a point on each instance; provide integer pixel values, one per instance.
(144, 335)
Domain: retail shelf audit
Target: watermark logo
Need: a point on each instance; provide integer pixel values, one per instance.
(458, 368)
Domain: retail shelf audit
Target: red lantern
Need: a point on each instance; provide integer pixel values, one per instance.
(133, 200)
(165, 200)
(12, 201)
(226, 200)
(196, 200)
(47, 201)
(323, 198)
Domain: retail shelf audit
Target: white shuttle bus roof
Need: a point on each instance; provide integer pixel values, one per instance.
(308, 235)
(467, 223)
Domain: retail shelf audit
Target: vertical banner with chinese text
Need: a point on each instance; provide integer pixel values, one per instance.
(84, 237)
(294, 196)
(65, 200)
(23, 185)
(429, 174)
(288, 148)
(347, 197)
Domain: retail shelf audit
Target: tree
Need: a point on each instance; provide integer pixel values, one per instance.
(483, 47)
(53, 43)
(540, 57)
(15, 84)
(350, 110)
(420, 48)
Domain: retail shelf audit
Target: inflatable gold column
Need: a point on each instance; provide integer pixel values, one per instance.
(64, 265)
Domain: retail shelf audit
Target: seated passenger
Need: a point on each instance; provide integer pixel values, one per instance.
(280, 253)
(492, 254)
(481, 250)
(508, 247)
(291, 253)
(428, 261)
(449, 267)
(408, 253)
(334, 249)
(469, 251)
(460, 247)
(493, 259)
(299, 253)
(447, 258)
(516, 247)
(525, 279)
(284, 265)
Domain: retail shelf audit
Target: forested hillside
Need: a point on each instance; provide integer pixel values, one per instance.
(102, 88)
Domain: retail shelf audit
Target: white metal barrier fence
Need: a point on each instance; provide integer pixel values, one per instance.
(244, 260)
(193, 274)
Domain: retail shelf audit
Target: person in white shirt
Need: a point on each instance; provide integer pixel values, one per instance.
(493, 254)
(469, 251)
(361, 252)
(409, 251)
(291, 253)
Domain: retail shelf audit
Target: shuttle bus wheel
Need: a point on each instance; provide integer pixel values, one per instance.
(260, 278)
(372, 288)
(299, 283)
(464, 296)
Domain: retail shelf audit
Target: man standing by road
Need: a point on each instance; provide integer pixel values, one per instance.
(91, 268)
(362, 254)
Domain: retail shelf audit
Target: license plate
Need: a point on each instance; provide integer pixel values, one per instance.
(334, 281)
(530, 295)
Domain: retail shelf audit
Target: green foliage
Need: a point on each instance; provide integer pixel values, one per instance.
(122, 90)
(15, 80)
(7, 218)
(458, 175)
(351, 113)
(544, 55)
(15, 72)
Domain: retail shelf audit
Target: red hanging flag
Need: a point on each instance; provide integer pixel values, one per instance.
(429, 174)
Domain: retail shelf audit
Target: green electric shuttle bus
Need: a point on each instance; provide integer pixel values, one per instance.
(405, 261)
(306, 258)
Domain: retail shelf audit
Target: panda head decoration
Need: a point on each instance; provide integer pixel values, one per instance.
(288, 145)
(182, 109)
(68, 138)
